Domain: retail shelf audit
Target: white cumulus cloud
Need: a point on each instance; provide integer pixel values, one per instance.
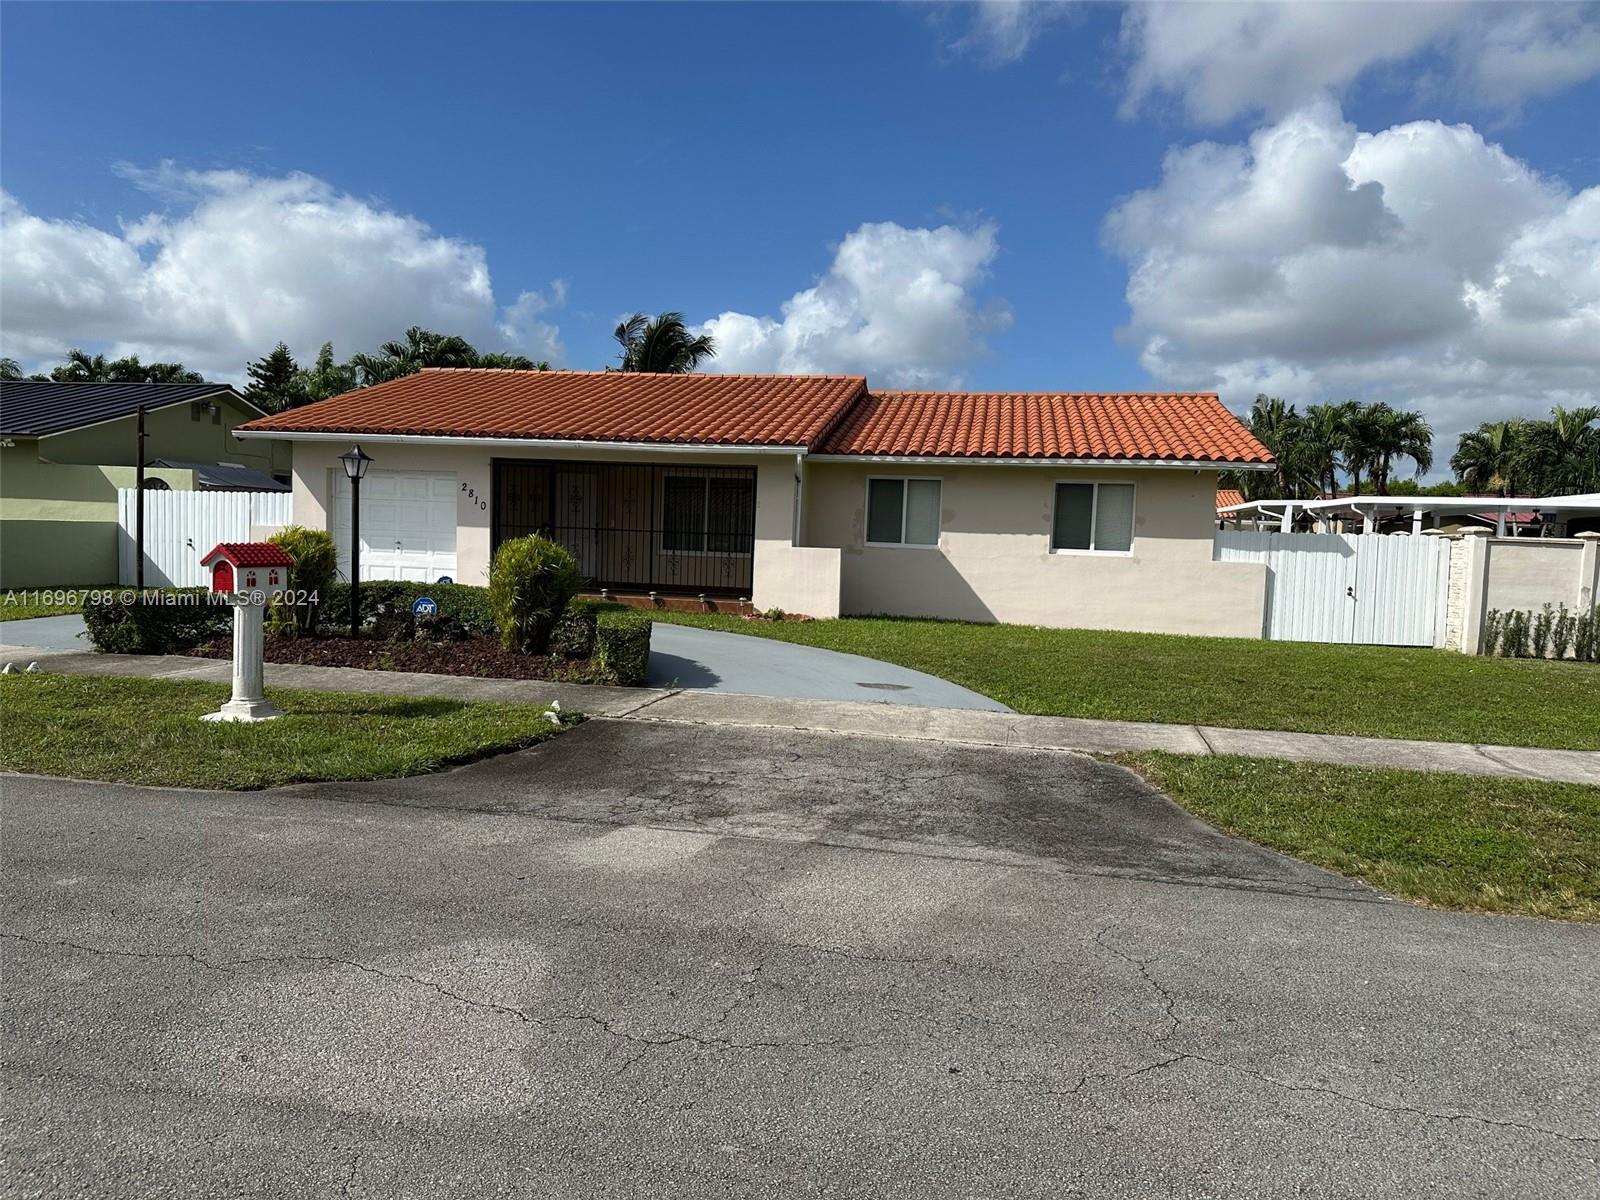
(1420, 264)
(235, 263)
(1220, 61)
(897, 304)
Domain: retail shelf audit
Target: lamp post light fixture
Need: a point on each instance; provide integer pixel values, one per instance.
(356, 461)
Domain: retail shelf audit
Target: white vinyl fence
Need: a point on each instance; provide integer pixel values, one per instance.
(1378, 589)
(179, 527)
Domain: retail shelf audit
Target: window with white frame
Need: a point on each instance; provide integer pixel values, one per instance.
(903, 512)
(1093, 517)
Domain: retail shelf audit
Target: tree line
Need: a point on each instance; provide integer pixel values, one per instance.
(661, 344)
(1361, 448)
(1328, 448)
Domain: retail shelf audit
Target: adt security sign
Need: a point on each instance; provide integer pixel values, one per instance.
(424, 606)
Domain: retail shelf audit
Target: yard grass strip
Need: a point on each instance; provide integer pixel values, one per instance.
(1240, 683)
(1455, 841)
(148, 731)
(27, 603)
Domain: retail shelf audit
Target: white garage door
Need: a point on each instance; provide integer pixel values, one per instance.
(408, 525)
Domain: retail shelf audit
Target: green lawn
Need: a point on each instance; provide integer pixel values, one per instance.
(147, 731)
(1456, 841)
(1379, 691)
(45, 602)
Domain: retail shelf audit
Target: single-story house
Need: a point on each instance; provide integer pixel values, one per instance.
(66, 448)
(813, 494)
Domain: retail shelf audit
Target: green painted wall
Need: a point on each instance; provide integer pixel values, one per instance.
(58, 495)
(58, 522)
(181, 431)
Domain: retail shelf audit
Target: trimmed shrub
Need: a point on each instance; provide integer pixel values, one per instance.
(575, 631)
(386, 606)
(1543, 626)
(149, 627)
(316, 561)
(622, 645)
(1493, 623)
(1561, 635)
(531, 582)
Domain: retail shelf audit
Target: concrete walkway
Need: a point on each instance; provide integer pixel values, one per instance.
(682, 657)
(686, 657)
(46, 633)
(969, 726)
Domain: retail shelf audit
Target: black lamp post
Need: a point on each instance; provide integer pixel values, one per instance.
(356, 461)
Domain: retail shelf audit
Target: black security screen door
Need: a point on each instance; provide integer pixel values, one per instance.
(636, 527)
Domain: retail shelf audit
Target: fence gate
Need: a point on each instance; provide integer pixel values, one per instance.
(1372, 588)
(181, 526)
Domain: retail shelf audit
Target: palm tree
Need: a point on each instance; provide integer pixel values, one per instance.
(1393, 434)
(1487, 458)
(421, 348)
(10, 369)
(1326, 434)
(1295, 473)
(661, 345)
(511, 362)
(80, 367)
(1561, 454)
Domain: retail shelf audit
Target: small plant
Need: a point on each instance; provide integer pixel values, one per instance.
(531, 582)
(774, 614)
(1585, 633)
(1514, 637)
(315, 563)
(1561, 633)
(1494, 622)
(1541, 629)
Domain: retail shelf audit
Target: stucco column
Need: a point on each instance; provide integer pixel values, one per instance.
(1474, 551)
(1589, 572)
(249, 646)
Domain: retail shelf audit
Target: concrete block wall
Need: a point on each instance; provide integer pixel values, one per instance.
(1525, 574)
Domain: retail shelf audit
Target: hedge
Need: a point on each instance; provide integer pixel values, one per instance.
(622, 645)
(143, 627)
(386, 603)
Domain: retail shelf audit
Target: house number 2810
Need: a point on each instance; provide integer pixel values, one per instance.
(473, 498)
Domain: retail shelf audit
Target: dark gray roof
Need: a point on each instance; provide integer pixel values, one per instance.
(37, 408)
(226, 477)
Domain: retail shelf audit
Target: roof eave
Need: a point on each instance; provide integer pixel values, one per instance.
(509, 443)
(1194, 464)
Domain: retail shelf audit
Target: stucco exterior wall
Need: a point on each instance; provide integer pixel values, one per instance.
(179, 432)
(994, 563)
(58, 522)
(783, 578)
(1527, 573)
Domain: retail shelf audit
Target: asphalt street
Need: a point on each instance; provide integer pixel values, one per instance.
(649, 959)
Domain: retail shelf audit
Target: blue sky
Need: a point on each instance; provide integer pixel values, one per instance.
(715, 158)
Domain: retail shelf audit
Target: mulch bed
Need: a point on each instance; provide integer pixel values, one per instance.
(473, 656)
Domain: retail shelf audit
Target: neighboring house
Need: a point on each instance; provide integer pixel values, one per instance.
(65, 449)
(1227, 498)
(807, 493)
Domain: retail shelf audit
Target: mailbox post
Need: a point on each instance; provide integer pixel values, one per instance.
(251, 575)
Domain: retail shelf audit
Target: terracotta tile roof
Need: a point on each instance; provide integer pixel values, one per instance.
(250, 554)
(743, 410)
(1228, 497)
(1188, 426)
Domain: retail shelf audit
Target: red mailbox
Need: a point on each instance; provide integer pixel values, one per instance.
(248, 567)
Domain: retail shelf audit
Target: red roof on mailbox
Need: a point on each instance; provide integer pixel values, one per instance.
(249, 554)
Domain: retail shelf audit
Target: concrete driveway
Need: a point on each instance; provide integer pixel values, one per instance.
(46, 633)
(707, 659)
(658, 960)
